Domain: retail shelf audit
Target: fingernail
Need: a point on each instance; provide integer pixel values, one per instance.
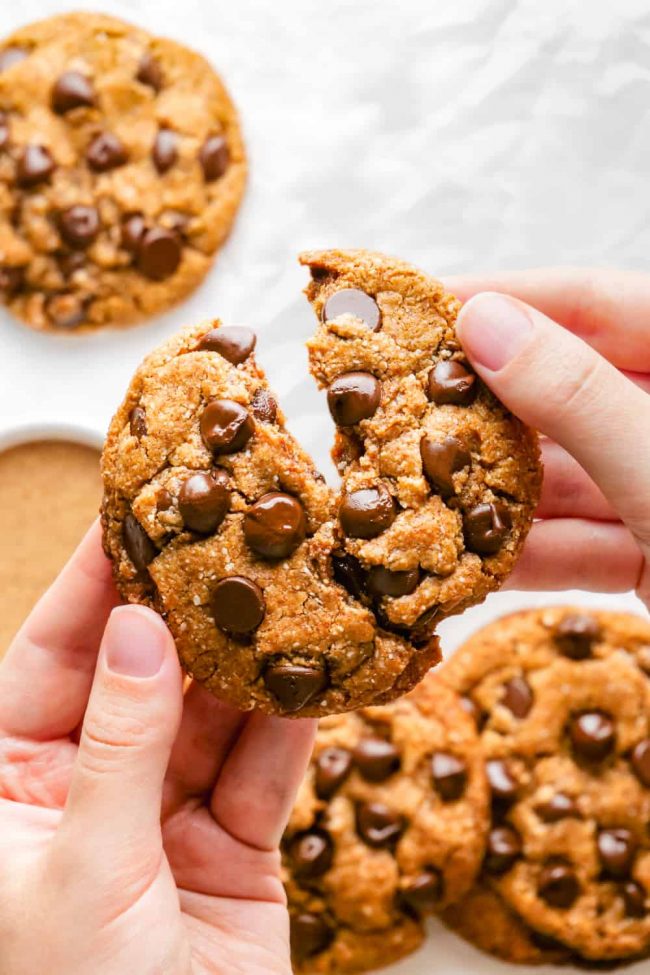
(134, 642)
(493, 329)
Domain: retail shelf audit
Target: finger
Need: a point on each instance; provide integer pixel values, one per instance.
(555, 382)
(571, 553)
(46, 675)
(257, 787)
(606, 307)
(567, 491)
(131, 721)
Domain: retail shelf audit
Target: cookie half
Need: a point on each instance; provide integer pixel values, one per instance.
(390, 824)
(122, 168)
(562, 697)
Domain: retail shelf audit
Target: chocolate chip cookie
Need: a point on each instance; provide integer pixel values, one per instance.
(440, 481)
(215, 516)
(121, 171)
(389, 824)
(562, 697)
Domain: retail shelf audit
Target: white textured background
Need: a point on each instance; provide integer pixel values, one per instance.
(458, 134)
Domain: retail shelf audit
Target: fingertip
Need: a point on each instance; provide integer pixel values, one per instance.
(494, 328)
(136, 642)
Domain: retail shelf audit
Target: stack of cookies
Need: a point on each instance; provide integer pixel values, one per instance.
(508, 793)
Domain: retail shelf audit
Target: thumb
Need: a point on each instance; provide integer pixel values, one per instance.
(130, 724)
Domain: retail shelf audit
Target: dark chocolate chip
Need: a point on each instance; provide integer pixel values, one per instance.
(385, 582)
(640, 760)
(503, 784)
(557, 807)
(486, 527)
(424, 892)
(592, 734)
(138, 422)
(349, 573)
(634, 899)
(165, 150)
(352, 397)
(503, 849)
(234, 342)
(149, 72)
(159, 253)
(34, 165)
(449, 775)
(238, 605)
(263, 406)
(376, 759)
(378, 825)
(558, 885)
(451, 382)
(517, 696)
(10, 56)
(311, 854)
(66, 311)
(11, 280)
(368, 512)
(214, 157)
(576, 634)
(79, 225)
(72, 90)
(310, 935)
(332, 769)
(352, 301)
(275, 525)
(133, 228)
(106, 152)
(294, 685)
(616, 849)
(204, 500)
(226, 426)
(139, 547)
(441, 460)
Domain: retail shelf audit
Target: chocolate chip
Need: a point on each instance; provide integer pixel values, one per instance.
(138, 422)
(164, 500)
(10, 56)
(238, 605)
(385, 582)
(424, 892)
(368, 512)
(592, 734)
(214, 157)
(376, 759)
(159, 253)
(310, 935)
(275, 525)
(640, 760)
(352, 397)
(165, 150)
(517, 697)
(503, 849)
(557, 807)
(349, 573)
(139, 547)
(204, 500)
(234, 342)
(263, 406)
(634, 898)
(616, 849)
(449, 775)
(133, 228)
(440, 461)
(502, 782)
(311, 854)
(11, 280)
(35, 165)
(79, 225)
(451, 382)
(149, 72)
(72, 90)
(332, 769)
(105, 152)
(486, 527)
(576, 634)
(352, 301)
(65, 310)
(378, 825)
(558, 885)
(226, 426)
(294, 685)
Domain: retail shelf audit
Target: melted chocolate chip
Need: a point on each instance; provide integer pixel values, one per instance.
(616, 849)
(640, 761)
(139, 547)
(34, 165)
(376, 759)
(558, 885)
(503, 849)
(352, 397)
(72, 90)
(367, 513)
(311, 854)
(378, 825)
(79, 225)
(149, 72)
(138, 422)
(133, 228)
(634, 899)
(424, 892)
(449, 775)
(159, 253)
(165, 150)
(310, 935)
(333, 766)
(226, 426)
(294, 685)
(451, 382)
(234, 342)
(441, 460)
(264, 407)
(517, 697)
(275, 525)
(352, 301)
(557, 807)
(204, 500)
(486, 527)
(11, 280)
(11, 56)
(592, 734)
(106, 152)
(385, 582)
(238, 605)
(576, 635)
(502, 782)
(214, 157)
